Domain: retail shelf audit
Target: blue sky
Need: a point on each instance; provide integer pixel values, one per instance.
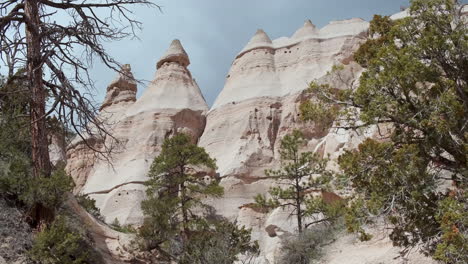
(214, 31)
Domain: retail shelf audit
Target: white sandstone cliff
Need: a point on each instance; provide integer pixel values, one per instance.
(258, 106)
(172, 103)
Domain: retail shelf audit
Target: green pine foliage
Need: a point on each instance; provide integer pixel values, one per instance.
(301, 174)
(453, 220)
(16, 181)
(415, 88)
(380, 26)
(177, 223)
(14, 121)
(49, 191)
(218, 243)
(15, 150)
(89, 204)
(61, 244)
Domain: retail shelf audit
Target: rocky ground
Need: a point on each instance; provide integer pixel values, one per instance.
(16, 236)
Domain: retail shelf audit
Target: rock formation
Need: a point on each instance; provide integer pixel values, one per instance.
(171, 103)
(258, 106)
(122, 90)
(57, 147)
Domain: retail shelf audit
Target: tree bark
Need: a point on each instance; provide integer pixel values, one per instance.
(183, 200)
(39, 141)
(298, 206)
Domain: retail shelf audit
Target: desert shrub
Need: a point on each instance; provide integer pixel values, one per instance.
(14, 177)
(16, 182)
(122, 228)
(61, 244)
(49, 191)
(306, 247)
(221, 243)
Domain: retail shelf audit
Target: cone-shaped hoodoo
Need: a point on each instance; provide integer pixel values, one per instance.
(259, 40)
(175, 53)
(307, 30)
(173, 86)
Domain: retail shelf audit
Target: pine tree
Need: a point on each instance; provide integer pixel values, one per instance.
(176, 217)
(301, 174)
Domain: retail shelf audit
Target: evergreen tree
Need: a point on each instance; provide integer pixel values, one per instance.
(415, 85)
(14, 111)
(301, 174)
(16, 176)
(176, 218)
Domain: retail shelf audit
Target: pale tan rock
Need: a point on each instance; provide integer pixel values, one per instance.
(172, 103)
(348, 249)
(122, 90)
(258, 106)
(175, 53)
(259, 41)
(308, 30)
(57, 147)
(287, 65)
(112, 245)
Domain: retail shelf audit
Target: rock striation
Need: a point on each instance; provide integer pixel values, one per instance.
(172, 103)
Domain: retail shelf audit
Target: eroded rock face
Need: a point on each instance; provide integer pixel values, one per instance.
(171, 103)
(122, 90)
(258, 106)
(286, 65)
(57, 148)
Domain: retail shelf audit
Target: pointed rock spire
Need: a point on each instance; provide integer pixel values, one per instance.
(259, 40)
(307, 30)
(175, 53)
(173, 86)
(260, 37)
(122, 89)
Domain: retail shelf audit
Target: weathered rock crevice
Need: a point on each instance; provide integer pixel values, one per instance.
(116, 187)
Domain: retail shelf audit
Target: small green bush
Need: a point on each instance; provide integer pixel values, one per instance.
(16, 182)
(306, 247)
(89, 204)
(122, 228)
(14, 177)
(60, 244)
(49, 191)
(222, 243)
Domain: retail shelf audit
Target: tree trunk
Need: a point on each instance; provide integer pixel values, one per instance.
(184, 211)
(298, 206)
(183, 194)
(39, 141)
